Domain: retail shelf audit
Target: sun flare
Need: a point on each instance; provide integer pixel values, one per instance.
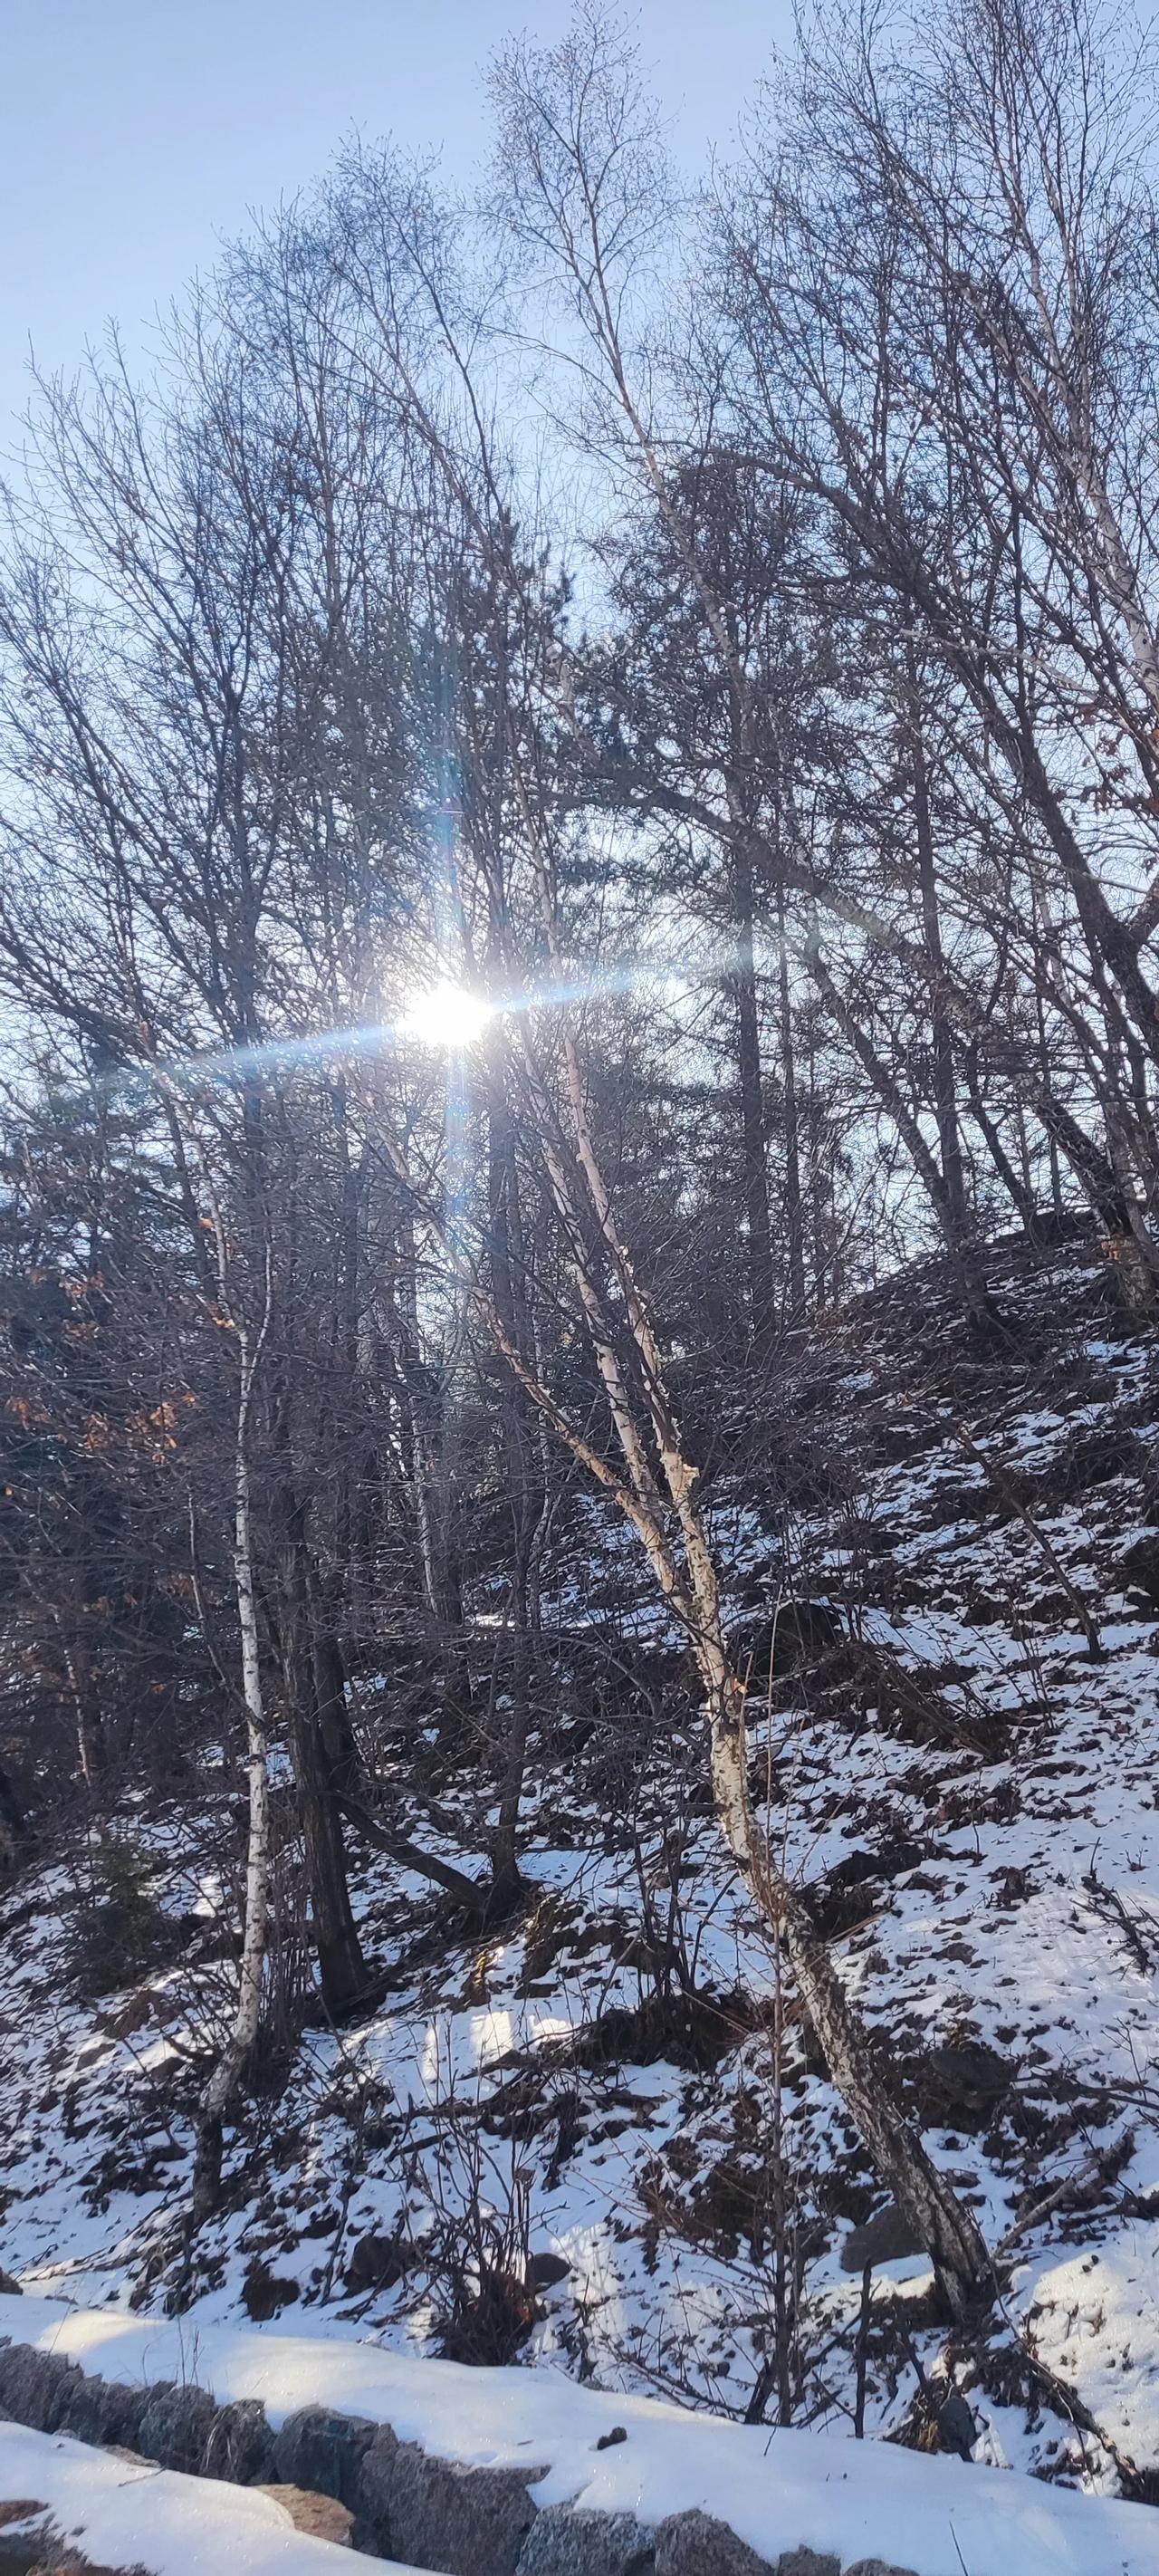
(443, 1015)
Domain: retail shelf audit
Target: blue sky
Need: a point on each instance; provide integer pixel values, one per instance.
(135, 133)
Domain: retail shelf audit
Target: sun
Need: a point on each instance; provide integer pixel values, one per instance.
(443, 1015)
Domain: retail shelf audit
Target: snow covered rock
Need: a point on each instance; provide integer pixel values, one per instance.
(240, 2446)
(466, 2522)
(696, 2544)
(546, 2270)
(35, 2386)
(884, 2237)
(103, 2411)
(877, 2567)
(324, 2451)
(176, 2426)
(563, 2543)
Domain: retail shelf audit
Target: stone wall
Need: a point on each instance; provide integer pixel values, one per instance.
(405, 2504)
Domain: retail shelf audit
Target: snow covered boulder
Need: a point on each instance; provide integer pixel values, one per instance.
(877, 2567)
(176, 2427)
(696, 2544)
(35, 2386)
(563, 2543)
(324, 2452)
(373, 2491)
(240, 2446)
(102, 2411)
(463, 2521)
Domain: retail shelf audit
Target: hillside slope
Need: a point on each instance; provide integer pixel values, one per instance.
(965, 1788)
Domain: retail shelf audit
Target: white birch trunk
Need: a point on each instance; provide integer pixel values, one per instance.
(231, 2065)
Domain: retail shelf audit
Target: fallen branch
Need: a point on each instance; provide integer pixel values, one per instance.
(471, 1892)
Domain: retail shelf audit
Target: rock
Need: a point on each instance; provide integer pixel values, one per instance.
(324, 2452)
(982, 1610)
(35, 2387)
(545, 2270)
(376, 2263)
(240, 2447)
(432, 2513)
(9, 2288)
(563, 2543)
(130, 2017)
(264, 2293)
(321, 2516)
(696, 2544)
(104, 2413)
(956, 2426)
(878, 2567)
(846, 1894)
(608, 2441)
(1139, 1566)
(882, 2239)
(808, 2562)
(372, 2491)
(960, 2087)
(801, 1633)
(21, 2509)
(176, 2427)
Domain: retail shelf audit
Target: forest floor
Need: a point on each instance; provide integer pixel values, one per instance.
(967, 1793)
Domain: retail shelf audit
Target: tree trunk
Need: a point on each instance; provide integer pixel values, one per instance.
(234, 2059)
(794, 1213)
(508, 1279)
(340, 1750)
(1021, 1197)
(423, 1407)
(505, 1843)
(945, 1090)
(340, 1961)
(467, 1892)
(743, 984)
(961, 1250)
(955, 2246)
(1044, 1065)
(92, 1750)
(13, 1821)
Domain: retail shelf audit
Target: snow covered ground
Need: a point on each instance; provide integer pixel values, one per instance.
(776, 2490)
(984, 1850)
(126, 2513)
